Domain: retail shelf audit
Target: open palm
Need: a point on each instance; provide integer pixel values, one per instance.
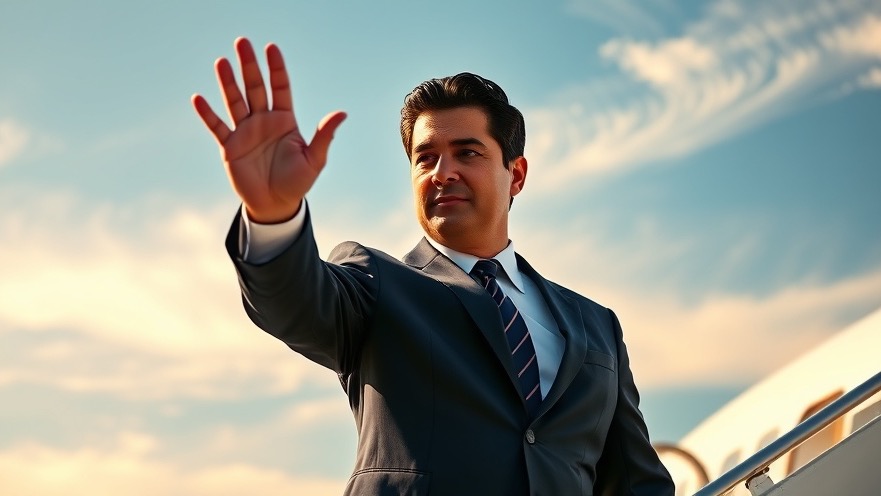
(270, 165)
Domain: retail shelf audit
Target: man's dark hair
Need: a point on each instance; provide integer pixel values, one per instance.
(467, 90)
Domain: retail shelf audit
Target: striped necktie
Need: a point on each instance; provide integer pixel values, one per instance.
(519, 341)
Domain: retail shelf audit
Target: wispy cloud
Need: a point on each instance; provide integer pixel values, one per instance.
(871, 79)
(39, 470)
(729, 328)
(623, 17)
(740, 65)
(13, 139)
(862, 38)
(153, 302)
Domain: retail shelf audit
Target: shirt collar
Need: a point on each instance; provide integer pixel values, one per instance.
(506, 258)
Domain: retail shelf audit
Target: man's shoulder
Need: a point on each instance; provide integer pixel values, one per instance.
(589, 308)
(582, 300)
(355, 253)
(559, 288)
(348, 250)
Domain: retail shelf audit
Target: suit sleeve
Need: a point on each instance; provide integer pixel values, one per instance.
(629, 464)
(318, 309)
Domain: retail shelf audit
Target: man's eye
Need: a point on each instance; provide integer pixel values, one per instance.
(424, 159)
(468, 153)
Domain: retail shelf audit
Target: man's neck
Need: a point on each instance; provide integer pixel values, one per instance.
(481, 251)
(465, 261)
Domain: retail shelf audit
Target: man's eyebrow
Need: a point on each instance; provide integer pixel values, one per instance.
(456, 142)
(467, 141)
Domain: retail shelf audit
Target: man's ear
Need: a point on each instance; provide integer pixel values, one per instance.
(518, 168)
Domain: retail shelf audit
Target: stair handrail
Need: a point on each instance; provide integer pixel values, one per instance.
(758, 463)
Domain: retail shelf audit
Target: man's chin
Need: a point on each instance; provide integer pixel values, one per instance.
(446, 227)
(447, 223)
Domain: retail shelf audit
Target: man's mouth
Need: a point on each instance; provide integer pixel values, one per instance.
(447, 200)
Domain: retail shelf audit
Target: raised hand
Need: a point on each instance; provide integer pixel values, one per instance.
(270, 165)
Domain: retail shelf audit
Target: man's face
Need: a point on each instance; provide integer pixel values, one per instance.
(461, 187)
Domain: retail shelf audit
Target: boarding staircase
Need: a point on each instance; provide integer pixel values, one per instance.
(852, 467)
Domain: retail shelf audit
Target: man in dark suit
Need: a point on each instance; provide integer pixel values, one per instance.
(468, 373)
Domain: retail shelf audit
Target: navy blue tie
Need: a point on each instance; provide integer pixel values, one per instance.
(519, 341)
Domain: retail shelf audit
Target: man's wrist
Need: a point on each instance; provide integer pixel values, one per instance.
(276, 217)
(261, 242)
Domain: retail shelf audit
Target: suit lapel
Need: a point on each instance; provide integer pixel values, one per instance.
(477, 302)
(485, 314)
(568, 317)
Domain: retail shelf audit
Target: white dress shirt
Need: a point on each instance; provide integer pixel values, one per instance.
(260, 243)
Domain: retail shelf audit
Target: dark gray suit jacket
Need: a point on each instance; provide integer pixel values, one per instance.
(420, 351)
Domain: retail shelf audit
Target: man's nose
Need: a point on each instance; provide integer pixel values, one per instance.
(445, 170)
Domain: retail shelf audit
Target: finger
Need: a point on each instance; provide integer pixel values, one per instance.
(278, 79)
(232, 96)
(317, 150)
(215, 125)
(255, 89)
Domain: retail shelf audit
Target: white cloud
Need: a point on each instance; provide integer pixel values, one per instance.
(871, 79)
(324, 425)
(733, 69)
(13, 139)
(730, 339)
(624, 17)
(862, 38)
(668, 63)
(38, 470)
(152, 304)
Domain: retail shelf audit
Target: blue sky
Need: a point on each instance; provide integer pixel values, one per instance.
(712, 166)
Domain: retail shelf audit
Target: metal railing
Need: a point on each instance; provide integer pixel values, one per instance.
(758, 463)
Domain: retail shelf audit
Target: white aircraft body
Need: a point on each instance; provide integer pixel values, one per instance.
(775, 405)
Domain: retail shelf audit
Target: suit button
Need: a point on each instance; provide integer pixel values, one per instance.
(530, 436)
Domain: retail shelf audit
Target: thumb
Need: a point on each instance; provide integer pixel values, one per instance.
(323, 136)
